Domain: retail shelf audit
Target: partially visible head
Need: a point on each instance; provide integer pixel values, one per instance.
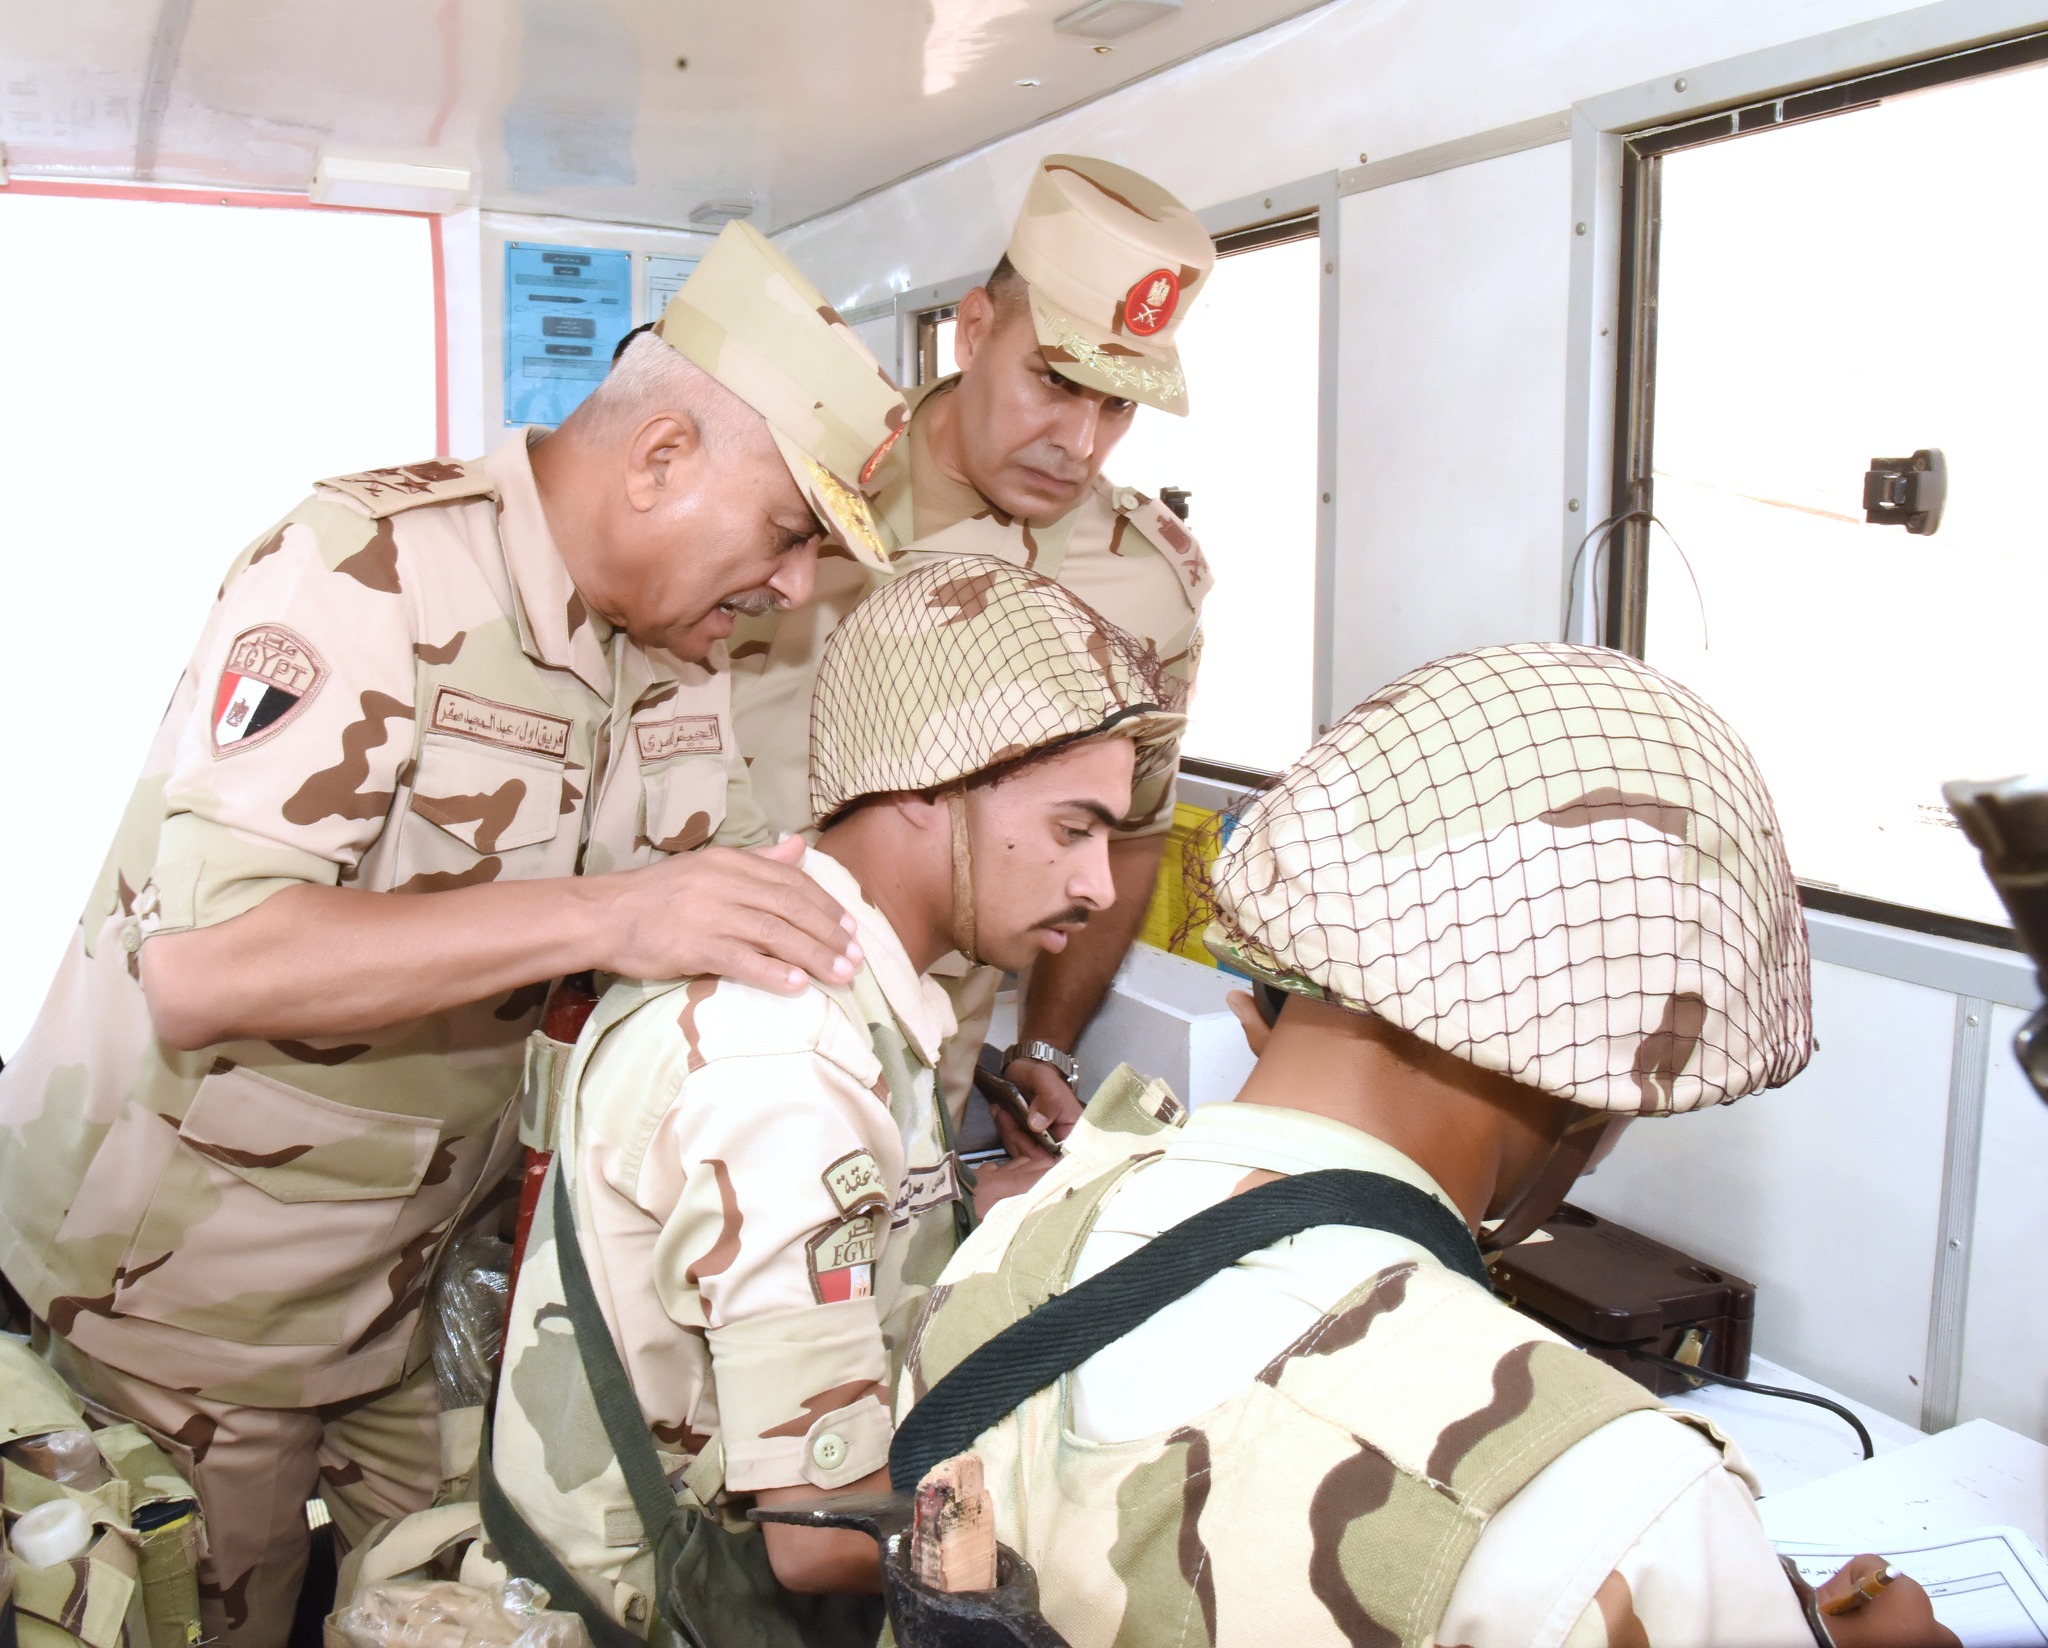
(729, 440)
(1073, 331)
(998, 725)
(1547, 862)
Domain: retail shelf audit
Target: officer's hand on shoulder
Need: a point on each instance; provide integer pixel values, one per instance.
(1899, 1616)
(750, 916)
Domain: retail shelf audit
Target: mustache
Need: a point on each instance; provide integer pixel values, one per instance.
(1072, 916)
(751, 603)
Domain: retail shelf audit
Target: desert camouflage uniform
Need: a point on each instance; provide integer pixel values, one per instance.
(399, 689)
(1547, 861)
(254, 1224)
(1126, 555)
(1092, 241)
(764, 1186)
(1376, 1451)
(763, 1191)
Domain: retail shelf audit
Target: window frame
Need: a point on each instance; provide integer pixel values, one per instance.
(1619, 141)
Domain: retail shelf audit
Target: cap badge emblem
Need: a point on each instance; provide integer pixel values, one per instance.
(867, 470)
(1149, 305)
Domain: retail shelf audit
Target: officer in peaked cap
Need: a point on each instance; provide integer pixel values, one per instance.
(264, 1092)
(1072, 333)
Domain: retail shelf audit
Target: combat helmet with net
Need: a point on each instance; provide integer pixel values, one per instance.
(961, 668)
(1550, 861)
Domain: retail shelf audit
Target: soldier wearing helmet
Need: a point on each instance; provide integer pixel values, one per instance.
(1512, 901)
(758, 1187)
(1071, 335)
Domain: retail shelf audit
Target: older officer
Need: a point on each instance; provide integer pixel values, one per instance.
(1512, 900)
(263, 1093)
(1072, 333)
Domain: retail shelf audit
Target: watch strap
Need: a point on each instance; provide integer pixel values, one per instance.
(1045, 1053)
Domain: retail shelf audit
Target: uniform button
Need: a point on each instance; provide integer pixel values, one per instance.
(829, 1451)
(1125, 499)
(131, 937)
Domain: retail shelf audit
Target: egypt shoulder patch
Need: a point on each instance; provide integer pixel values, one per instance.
(842, 1260)
(270, 676)
(854, 1181)
(381, 492)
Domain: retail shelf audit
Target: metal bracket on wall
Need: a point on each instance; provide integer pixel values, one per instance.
(1941, 1386)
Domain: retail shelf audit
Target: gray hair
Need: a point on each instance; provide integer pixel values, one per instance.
(650, 379)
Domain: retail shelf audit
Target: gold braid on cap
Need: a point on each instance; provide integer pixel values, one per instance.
(848, 509)
(1121, 370)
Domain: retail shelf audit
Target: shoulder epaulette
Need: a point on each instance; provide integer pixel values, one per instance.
(381, 492)
(1165, 532)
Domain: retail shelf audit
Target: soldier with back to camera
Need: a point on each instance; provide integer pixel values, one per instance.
(1512, 901)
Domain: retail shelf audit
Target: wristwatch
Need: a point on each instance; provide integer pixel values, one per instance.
(1045, 1053)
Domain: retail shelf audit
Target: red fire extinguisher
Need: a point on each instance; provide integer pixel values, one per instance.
(569, 1005)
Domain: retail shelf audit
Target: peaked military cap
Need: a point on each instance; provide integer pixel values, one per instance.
(750, 318)
(1112, 261)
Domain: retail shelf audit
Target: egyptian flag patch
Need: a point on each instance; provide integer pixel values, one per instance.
(271, 675)
(842, 1260)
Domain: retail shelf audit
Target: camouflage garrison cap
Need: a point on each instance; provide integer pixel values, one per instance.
(965, 664)
(1112, 261)
(1547, 860)
(749, 317)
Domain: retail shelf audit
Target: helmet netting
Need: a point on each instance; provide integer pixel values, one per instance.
(967, 664)
(1547, 860)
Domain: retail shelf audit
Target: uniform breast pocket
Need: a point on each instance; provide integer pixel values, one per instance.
(274, 1214)
(682, 802)
(475, 805)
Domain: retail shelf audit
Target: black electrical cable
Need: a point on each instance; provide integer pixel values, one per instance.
(1711, 1377)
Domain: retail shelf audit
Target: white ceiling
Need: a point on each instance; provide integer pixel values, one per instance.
(563, 106)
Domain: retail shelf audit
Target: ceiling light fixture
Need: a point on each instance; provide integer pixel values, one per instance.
(387, 182)
(1027, 84)
(716, 214)
(1104, 51)
(1113, 19)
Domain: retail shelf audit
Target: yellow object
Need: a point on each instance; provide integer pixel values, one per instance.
(1193, 829)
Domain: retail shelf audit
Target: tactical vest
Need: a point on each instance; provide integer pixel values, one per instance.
(1338, 1475)
(136, 1584)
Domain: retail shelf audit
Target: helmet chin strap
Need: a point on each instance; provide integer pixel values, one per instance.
(963, 875)
(1552, 1182)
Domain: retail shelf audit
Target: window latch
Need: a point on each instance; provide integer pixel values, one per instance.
(1907, 492)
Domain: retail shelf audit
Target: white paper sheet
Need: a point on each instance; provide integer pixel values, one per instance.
(1989, 1585)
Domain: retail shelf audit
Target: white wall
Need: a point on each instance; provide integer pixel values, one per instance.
(1450, 427)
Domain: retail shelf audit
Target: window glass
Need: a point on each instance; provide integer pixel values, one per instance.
(935, 346)
(1246, 454)
(176, 377)
(1853, 288)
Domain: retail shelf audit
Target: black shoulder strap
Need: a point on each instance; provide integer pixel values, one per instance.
(625, 1426)
(1066, 1330)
